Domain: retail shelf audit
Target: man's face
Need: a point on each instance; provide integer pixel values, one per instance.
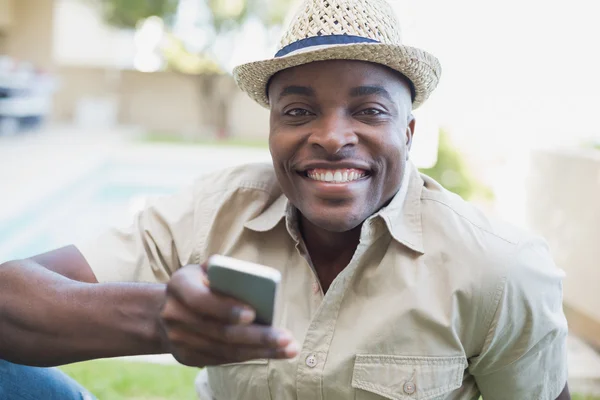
(339, 139)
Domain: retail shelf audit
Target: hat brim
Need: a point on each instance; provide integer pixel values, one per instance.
(420, 67)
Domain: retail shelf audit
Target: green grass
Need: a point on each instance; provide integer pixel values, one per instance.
(122, 380)
(169, 138)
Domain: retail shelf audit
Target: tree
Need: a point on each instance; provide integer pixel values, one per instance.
(225, 18)
(454, 174)
(127, 13)
(226, 15)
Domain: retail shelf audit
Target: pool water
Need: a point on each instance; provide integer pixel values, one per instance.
(105, 197)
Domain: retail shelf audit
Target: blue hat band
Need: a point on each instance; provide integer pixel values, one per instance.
(322, 40)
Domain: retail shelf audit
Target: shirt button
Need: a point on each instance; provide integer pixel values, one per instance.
(409, 388)
(311, 361)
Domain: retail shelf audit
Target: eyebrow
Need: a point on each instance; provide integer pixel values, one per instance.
(297, 90)
(370, 90)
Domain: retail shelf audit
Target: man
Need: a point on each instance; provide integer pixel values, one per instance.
(392, 288)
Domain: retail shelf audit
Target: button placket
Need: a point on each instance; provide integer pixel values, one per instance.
(317, 342)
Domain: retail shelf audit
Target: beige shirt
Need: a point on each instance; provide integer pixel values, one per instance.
(438, 302)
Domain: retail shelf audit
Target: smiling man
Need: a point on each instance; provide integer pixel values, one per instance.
(340, 135)
(393, 287)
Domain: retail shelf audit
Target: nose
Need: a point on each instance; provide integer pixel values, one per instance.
(332, 133)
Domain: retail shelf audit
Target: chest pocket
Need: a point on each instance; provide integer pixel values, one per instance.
(240, 380)
(378, 377)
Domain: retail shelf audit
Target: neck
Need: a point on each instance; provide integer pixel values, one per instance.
(330, 252)
(319, 240)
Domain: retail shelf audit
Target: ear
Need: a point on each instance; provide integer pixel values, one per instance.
(410, 132)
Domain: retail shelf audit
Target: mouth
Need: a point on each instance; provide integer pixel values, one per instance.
(335, 176)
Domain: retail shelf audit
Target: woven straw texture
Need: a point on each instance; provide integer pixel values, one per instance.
(373, 19)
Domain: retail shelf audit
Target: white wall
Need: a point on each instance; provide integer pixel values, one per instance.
(6, 14)
(564, 206)
(82, 39)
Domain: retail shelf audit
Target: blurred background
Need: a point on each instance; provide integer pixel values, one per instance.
(104, 104)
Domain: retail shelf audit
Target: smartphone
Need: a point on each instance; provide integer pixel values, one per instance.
(253, 284)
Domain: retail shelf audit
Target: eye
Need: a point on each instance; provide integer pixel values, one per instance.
(370, 112)
(298, 112)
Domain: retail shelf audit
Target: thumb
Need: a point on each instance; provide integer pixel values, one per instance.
(204, 269)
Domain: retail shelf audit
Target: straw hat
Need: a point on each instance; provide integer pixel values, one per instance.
(365, 30)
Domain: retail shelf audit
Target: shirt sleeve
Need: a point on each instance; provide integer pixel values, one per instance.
(525, 355)
(158, 242)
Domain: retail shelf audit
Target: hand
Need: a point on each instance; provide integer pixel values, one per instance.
(204, 328)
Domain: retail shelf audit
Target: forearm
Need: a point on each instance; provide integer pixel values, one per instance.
(47, 319)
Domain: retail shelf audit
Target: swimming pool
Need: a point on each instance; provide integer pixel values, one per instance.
(108, 195)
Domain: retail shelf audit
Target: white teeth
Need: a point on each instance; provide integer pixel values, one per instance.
(336, 176)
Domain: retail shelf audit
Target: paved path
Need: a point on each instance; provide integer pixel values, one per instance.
(35, 165)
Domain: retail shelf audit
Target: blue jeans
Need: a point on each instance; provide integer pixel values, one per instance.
(18, 382)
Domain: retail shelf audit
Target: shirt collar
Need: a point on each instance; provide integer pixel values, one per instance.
(270, 217)
(402, 215)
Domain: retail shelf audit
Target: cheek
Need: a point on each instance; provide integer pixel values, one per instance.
(276, 139)
(395, 151)
(282, 146)
(392, 146)
(277, 145)
(398, 144)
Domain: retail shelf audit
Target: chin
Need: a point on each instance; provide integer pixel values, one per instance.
(333, 221)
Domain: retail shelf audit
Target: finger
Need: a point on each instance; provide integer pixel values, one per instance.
(227, 353)
(175, 313)
(204, 267)
(188, 287)
(193, 358)
(250, 335)
(176, 316)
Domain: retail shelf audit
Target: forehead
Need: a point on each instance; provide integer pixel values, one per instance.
(341, 73)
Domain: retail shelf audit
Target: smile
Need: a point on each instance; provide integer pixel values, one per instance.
(342, 175)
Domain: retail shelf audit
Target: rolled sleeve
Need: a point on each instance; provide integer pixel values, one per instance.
(158, 242)
(525, 355)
